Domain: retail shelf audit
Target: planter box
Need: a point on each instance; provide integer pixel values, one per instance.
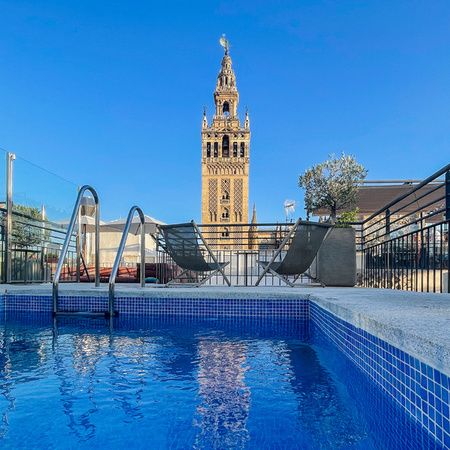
(336, 260)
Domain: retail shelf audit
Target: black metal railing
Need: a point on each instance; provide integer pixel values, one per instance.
(241, 246)
(35, 248)
(405, 244)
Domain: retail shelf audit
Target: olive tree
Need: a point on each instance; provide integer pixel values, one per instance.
(333, 185)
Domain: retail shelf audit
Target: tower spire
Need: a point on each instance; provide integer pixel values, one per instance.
(254, 220)
(226, 95)
(253, 231)
(205, 119)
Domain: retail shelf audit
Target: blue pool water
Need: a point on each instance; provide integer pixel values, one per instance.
(187, 383)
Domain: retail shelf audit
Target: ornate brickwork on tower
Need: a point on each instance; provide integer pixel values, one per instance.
(225, 155)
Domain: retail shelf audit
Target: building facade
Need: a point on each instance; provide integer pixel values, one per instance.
(225, 157)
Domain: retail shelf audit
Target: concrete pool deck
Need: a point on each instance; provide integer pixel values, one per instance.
(417, 323)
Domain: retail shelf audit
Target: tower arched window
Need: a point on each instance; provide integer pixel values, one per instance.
(216, 149)
(208, 149)
(235, 149)
(225, 146)
(242, 150)
(226, 109)
(225, 232)
(226, 195)
(225, 213)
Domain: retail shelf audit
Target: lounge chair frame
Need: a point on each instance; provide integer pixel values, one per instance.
(267, 266)
(219, 266)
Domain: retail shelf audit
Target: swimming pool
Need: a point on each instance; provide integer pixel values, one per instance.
(191, 382)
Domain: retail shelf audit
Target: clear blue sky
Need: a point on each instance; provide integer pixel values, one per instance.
(112, 92)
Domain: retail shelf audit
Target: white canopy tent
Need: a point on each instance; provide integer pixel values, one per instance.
(87, 223)
(119, 225)
(111, 233)
(132, 248)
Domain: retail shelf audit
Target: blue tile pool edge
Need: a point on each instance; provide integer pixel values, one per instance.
(198, 307)
(421, 390)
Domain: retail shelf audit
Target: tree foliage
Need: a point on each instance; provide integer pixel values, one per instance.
(25, 233)
(346, 217)
(333, 185)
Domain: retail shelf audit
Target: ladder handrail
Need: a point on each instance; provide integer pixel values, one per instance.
(123, 241)
(70, 229)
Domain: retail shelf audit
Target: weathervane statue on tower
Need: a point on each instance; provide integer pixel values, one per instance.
(224, 43)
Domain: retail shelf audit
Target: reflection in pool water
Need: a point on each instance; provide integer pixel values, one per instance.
(174, 383)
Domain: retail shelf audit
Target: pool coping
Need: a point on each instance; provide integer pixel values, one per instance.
(417, 323)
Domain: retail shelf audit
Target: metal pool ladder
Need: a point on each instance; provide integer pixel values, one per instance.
(76, 216)
(123, 241)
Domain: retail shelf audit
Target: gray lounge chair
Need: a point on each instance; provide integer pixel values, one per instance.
(305, 239)
(186, 246)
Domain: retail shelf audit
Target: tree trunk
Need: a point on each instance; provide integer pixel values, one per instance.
(333, 214)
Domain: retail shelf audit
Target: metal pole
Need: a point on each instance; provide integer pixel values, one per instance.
(387, 249)
(10, 157)
(97, 244)
(362, 248)
(68, 237)
(78, 244)
(143, 254)
(447, 216)
(123, 241)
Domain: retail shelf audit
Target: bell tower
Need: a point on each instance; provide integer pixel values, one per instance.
(225, 155)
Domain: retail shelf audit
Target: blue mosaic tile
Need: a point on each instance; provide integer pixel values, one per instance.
(29, 303)
(198, 307)
(420, 389)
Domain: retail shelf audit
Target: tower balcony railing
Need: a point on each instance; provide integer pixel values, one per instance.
(230, 158)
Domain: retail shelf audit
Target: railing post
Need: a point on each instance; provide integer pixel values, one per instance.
(97, 244)
(78, 246)
(245, 267)
(447, 217)
(363, 257)
(387, 247)
(10, 157)
(388, 221)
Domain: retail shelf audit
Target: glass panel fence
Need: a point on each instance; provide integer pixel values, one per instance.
(42, 206)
